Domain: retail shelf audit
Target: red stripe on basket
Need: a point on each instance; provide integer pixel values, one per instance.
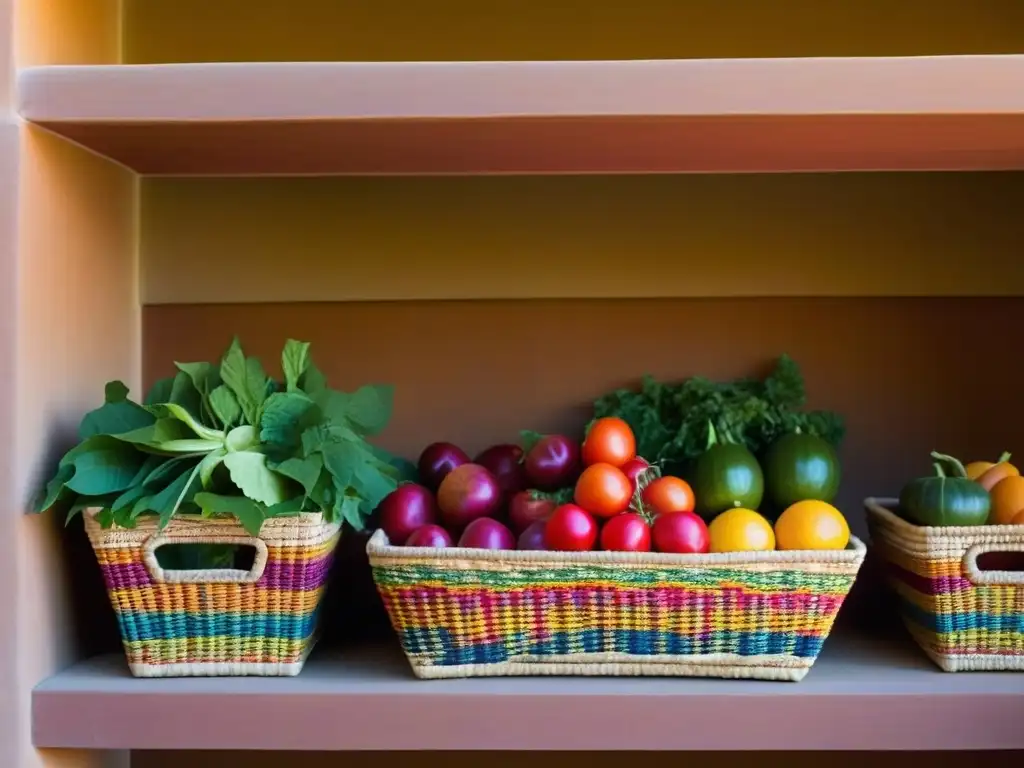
(938, 585)
(306, 574)
(569, 599)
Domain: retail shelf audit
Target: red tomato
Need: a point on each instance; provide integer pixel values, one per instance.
(682, 532)
(626, 533)
(603, 490)
(668, 494)
(570, 529)
(609, 441)
(634, 468)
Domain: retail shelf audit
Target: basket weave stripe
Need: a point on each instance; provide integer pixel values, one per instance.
(207, 626)
(459, 612)
(960, 624)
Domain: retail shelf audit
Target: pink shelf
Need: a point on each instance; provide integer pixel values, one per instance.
(861, 694)
(663, 116)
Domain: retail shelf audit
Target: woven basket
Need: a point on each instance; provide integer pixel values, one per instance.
(470, 612)
(963, 617)
(217, 622)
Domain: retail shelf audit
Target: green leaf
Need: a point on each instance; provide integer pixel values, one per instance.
(167, 502)
(528, 439)
(403, 470)
(249, 471)
(243, 438)
(247, 511)
(127, 499)
(205, 378)
(246, 379)
(167, 471)
(117, 414)
(55, 487)
(209, 463)
(342, 459)
(371, 483)
(294, 361)
(284, 418)
(303, 471)
(105, 470)
(225, 406)
(315, 438)
(180, 413)
(347, 508)
(160, 431)
(370, 407)
(185, 394)
(313, 381)
(285, 508)
(160, 392)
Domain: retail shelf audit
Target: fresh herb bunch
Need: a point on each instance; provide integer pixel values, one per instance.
(228, 440)
(671, 420)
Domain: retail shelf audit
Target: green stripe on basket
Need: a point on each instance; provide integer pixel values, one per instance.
(574, 576)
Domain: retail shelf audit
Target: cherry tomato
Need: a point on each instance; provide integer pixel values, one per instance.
(570, 529)
(683, 532)
(603, 490)
(609, 441)
(668, 494)
(634, 468)
(626, 533)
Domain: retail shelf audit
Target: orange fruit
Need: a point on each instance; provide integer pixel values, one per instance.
(1007, 499)
(988, 473)
(1018, 519)
(812, 525)
(741, 530)
(977, 468)
(997, 472)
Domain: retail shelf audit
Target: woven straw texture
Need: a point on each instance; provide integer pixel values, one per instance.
(468, 612)
(963, 617)
(217, 622)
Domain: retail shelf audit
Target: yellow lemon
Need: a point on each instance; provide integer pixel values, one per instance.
(740, 530)
(812, 525)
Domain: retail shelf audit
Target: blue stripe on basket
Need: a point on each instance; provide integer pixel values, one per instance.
(438, 644)
(169, 626)
(962, 622)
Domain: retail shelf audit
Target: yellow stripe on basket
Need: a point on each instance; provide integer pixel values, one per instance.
(214, 598)
(990, 599)
(217, 648)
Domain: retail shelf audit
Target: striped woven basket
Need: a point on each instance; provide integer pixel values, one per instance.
(964, 618)
(470, 612)
(217, 622)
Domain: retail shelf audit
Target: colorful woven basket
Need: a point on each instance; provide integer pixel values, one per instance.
(469, 612)
(964, 618)
(217, 622)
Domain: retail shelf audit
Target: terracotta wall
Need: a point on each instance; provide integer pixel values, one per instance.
(338, 239)
(909, 375)
(197, 30)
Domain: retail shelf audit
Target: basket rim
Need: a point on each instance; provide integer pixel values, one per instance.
(880, 507)
(148, 522)
(380, 546)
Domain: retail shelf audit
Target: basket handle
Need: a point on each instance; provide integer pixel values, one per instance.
(979, 576)
(204, 575)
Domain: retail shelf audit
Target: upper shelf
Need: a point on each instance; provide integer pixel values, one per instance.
(658, 116)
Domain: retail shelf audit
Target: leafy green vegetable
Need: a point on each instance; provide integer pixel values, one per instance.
(226, 439)
(670, 420)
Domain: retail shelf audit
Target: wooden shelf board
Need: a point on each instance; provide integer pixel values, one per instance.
(654, 116)
(862, 694)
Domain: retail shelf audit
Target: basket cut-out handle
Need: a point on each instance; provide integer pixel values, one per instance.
(978, 575)
(204, 575)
